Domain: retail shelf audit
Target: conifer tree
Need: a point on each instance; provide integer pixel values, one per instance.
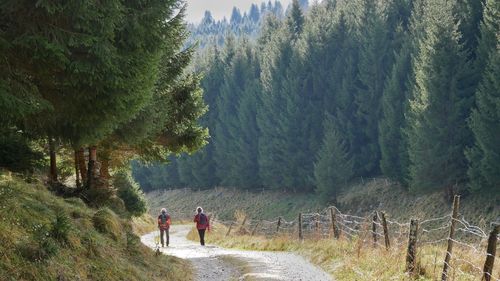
(393, 162)
(374, 61)
(440, 105)
(334, 166)
(483, 156)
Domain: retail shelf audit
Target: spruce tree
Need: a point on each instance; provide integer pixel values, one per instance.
(334, 166)
(484, 170)
(484, 121)
(393, 147)
(374, 61)
(440, 105)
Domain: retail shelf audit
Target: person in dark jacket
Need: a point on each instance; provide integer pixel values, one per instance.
(202, 224)
(164, 226)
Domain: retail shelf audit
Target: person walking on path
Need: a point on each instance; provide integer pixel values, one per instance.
(202, 224)
(164, 226)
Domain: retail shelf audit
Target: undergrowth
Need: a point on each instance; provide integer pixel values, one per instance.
(44, 237)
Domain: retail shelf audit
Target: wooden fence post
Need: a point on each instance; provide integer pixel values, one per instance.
(334, 223)
(255, 228)
(411, 255)
(300, 227)
(374, 229)
(229, 230)
(316, 225)
(447, 258)
(386, 231)
(490, 253)
(278, 226)
(243, 223)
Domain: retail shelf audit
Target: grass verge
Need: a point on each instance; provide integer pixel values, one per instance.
(44, 237)
(354, 259)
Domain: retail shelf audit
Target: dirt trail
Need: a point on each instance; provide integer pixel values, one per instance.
(215, 263)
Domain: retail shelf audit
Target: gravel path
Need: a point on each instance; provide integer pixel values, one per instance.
(215, 263)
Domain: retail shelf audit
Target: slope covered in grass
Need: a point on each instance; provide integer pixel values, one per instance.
(44, 237)
(358, 199)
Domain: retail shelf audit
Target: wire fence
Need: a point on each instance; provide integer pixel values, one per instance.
(468, 250)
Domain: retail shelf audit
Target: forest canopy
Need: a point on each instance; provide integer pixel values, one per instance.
(93, 84)
(339, 90)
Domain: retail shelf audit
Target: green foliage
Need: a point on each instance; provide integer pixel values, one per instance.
(106, 222)
(441, 103)
(97, 196)
(60, 227)
(128, 190)
(484, 169)
(393, 162)
(16, 151)
(334, 167)
(399, 78)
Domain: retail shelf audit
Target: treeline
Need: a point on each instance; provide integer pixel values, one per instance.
(405, 89)
(97, 83)
(211, 31)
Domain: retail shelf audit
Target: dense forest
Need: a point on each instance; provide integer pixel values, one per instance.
(405, 89)
(87, 86)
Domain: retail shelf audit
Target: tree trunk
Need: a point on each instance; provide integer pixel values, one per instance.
(104, 171)
(77, 172)
(91, 172)
(82, 164)
(53, 163)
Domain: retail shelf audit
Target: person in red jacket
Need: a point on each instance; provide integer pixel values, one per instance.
(164, 226)
(202, 224)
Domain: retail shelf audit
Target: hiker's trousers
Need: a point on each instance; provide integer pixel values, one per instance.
(162, 232)
(201, 232)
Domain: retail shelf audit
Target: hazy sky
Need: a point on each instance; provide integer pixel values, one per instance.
(220, 8)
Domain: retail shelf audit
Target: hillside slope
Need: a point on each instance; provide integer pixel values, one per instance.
(44, 237)
(358, 199)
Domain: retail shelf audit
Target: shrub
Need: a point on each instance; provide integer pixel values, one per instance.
(16, 152)
(130, 193)
(117, 205)
(61, 227)
(106, 222)
(97, 196)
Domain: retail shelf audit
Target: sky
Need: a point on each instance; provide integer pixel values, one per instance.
(220, 8)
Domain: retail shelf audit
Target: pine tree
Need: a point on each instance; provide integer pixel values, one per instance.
(334, 166)
(440, 105)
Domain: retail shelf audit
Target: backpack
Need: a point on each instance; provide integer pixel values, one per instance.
(203, 219)
(164, 218)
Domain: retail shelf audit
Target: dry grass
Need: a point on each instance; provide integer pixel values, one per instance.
(357, 199)
(354, 259)
(88, 254)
